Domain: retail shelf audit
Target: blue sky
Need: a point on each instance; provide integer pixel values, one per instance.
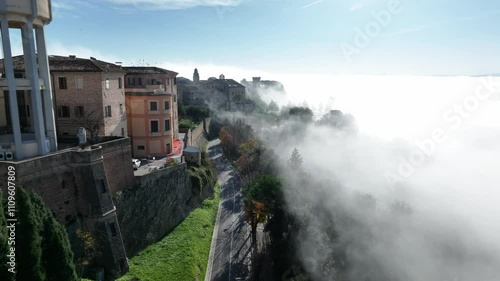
(447, 37)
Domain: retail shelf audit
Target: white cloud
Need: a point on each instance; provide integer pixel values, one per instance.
(58, 48)
(175, 4)
(61, 5)
(356, 6)
(312, 4)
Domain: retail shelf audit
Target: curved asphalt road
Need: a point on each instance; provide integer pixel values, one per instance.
(230, 253)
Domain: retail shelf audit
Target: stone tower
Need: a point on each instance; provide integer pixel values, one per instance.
(196, 76)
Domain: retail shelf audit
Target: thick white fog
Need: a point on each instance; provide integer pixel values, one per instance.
(431, 142)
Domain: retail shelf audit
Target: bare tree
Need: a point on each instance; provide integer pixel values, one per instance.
(93, 121)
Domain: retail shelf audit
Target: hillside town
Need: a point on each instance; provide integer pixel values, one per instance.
(133, 147)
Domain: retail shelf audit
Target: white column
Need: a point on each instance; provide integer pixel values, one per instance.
(48, 104)
(9, 72)
(36, 97)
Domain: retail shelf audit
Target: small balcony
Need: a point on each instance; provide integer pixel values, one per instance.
(156, 87)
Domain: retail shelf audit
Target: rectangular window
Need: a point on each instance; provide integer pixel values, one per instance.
(153, 81)
(119, 83)
(153, 106)
(166, 105)
(140, 147)
(79, 82)
(102, 186)
(63, 111)
(107, 83)
(79, 111)
(153, 126)
(175, 80)
(121, 108)
(168, 81)
(139, 81)
(167, 125)
(107, 111)
(112, 228)
(123, 132)
(63, 84)
(131, 81)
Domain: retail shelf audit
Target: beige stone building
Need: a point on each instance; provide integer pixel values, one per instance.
(222, 93)
(87, 93)
(151, 102)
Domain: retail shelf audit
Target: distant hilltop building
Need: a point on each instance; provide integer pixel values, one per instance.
(257, 83)
(221, 93)
(196, 76)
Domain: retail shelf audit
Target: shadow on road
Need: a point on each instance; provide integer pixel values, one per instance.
(238, 270)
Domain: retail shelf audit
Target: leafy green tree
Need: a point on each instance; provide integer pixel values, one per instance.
(57, 254)
(28, 250)
(295, 162)
(238, 98)
(90, 249)
(303, 114)
(180, 109)
(339, 120)
(262, 199)
(273, 107)
(267, 190)
(42, 245)
(197, 113)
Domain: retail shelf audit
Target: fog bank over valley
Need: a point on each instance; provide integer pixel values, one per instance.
(413, 195)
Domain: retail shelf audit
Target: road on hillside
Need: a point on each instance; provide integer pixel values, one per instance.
(230, 253)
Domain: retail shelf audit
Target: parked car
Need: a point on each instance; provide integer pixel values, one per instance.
(136, 163)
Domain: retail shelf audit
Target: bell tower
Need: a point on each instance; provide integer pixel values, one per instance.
(196, 76)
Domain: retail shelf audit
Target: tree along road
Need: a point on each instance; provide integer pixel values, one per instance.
(230, 252)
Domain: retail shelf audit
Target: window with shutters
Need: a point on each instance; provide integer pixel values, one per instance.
(63, 84)
(79, 111)
(63, 111)
(79, 82)
(153, 126)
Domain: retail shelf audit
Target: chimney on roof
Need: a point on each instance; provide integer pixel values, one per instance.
(72, 56)
(92, 58)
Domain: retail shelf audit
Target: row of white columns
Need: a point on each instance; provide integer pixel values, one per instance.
(43, 120)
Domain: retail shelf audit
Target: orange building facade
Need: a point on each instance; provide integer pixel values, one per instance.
(151, 106)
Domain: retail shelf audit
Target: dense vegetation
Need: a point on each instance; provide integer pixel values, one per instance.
(265, 182)
(42, 248)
